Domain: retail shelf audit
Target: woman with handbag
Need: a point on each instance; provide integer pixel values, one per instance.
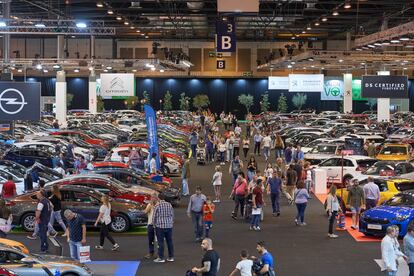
(332, 206)
(104, 218)
(6, 219)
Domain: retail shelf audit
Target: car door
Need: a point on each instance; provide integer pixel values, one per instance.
(331, 167)
(87, 205)
(349, 167)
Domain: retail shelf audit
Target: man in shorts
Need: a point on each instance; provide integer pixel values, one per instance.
(356, 201)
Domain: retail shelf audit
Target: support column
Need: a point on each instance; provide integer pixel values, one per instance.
(347, 93)
(92, 93)
(383, 104)
(348, 41)
(7, 74)
(92, 51)
(60, 97)
(60, 46)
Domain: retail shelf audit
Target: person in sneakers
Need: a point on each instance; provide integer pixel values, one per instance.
(222, 149)
(75, 232)
(149, 210)
(274, 188)
(104, 219)
(332, 206)
(291, 180)
(195, 212)
(238, 194)
(244, 266)
(211, 260)
(301, 200)
(356, 200)
(217, 182)
(56, 200)
(257, 203)
(163, 221)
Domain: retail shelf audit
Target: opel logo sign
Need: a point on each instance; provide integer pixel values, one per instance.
(12, 101)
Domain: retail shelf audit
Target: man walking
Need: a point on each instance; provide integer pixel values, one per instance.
(291, 179)
(185, 174)
(274, 188)
(193, 144)
(257, 141)
(75, 232)
(390, 252)
(356, 199)
(43, 212)
(211, 260)
(163, 220)
(266, 258)
(266, 142)
(372, 194)
(195, 212)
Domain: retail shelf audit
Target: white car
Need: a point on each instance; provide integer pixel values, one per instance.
(400, 134)
(386, 169)
(353, 166)
(120, 154)
(378, 140)
(322, 152)
(130, 124)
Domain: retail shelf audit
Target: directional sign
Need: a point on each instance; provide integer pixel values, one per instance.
(221, 64)
(226, 36)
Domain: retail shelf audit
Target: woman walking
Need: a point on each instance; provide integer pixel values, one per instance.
(279, 146)
(251, 168)
(104, 218)
(56, 200)
(236, 145)
(301, 200)
(6, 219)
(332, 206)
(246, 146)
(217, 182)
(222, 148)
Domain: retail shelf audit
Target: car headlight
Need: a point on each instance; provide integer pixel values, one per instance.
(402, 217)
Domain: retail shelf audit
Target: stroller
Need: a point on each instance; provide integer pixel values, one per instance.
(201, 153)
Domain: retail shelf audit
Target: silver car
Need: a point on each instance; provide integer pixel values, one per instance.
(40, 265)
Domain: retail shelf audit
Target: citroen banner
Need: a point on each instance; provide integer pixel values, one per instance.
(117, 85)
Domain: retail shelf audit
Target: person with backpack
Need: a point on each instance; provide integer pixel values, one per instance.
(266, 260)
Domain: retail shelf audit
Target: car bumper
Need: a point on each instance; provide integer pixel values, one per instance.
(367, 228)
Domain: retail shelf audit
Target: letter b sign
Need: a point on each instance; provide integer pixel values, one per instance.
(221, 64)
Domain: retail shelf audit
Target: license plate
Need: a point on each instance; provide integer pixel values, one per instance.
(374, 226)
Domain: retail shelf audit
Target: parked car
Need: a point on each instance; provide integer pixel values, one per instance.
(395, 152)
(386, 169)
(27, 157)
(399, 211)
(322, 152)
(82, 200)
(80, 135)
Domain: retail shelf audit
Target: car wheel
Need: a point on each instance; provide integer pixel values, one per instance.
(70, 274)
(120, 223)
(28, 222)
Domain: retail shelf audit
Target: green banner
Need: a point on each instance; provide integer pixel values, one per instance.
(356, 90)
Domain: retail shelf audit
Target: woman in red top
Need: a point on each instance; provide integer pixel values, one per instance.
(238, 194)
(9, 188)
(257, 201)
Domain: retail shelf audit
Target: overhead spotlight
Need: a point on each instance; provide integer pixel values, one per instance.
(289, 66)
(317, 23)
(90, 68)
(162, 71)
(138, 31)
(386, 42)
(99, 4)
(45, 71)
(303, 32)
(132, 27)
(341, 60)
(362, 63)
(20, 70)
(335, 12)
(378, 44)
(322, 68)
(134, 70)
(142, 34)
(81, 25)
(118, 18)
(293, 37)
(395, 41)
(126, 23)
(358, 49)
(309, 28)
(347, 4)
(110, 12)
(40, 25)
(76, 70)
(324, 19)
(109, 67)
(404, 38)
(146, 36)
(39, 66)
(56, 66)
(153, 69)
(105, 70)
(405, 68)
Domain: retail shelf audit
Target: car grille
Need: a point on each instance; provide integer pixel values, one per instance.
(376, 221)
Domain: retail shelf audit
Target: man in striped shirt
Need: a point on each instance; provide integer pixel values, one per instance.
(163, 220)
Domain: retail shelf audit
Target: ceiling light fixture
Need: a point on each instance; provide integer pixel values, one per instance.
(45, 71)
(118, 18)
(324, 19)
(404, 38)
(341, 60)
(146, 36)
(81, 25)
(405, 68)
(110, 12)
(105, 70)
(76, 70)
(56, 66)
(40, 25)
(409, 46)
(186, 63)
(152, 68)
(109, 67)
(395, 41)
(303, 32)
(149, 65)
(132, 27)
(335, 12)
(126, 23)
(19, 70)
(134, 70)
(162, 71)
(347, 4)
(309, 28)
(317, 23)
(39, 67)
(138, 31)
(99, 5)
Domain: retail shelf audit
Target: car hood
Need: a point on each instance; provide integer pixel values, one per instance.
(388, 212)
(383, 157)
(57, 260)
(318, 156)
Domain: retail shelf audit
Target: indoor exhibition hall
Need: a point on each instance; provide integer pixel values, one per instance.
(207, 137)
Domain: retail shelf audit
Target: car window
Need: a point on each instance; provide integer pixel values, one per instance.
(348, 163)
(382, 185)
(83, 197)
(331, 162)
(366, 163)
(409, 168)
(26, 152)
(9, 257)
(404, 186)
(393, 150)
(401, 200)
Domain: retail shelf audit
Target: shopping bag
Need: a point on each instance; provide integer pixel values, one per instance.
(256, 211)
(84, 254)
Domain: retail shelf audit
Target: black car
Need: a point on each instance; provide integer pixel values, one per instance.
(27, 157)
(130, 177)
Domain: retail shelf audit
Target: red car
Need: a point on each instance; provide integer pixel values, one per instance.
(145, 146)
(109, 186)
(84, 137)
(110, 164)
(5, 272)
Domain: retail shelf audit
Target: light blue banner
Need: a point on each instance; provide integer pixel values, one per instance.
(333, 90)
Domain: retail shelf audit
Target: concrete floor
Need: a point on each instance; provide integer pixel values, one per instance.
(297, 250)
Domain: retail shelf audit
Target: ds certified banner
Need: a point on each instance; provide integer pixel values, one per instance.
(278, 83)
(20, 101)
(385, 87)
(306, 82)
(117, 85)
(333, 90)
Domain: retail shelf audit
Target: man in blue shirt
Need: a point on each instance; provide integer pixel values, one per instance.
(274, 188)
(266, 258)
(75, 232)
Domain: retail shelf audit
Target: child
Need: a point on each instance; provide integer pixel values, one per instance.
(244, 266)
(208, 210)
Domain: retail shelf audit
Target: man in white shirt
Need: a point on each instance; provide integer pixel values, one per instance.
(266, 142)
(244, 266)
(372, 194)
(390, 252)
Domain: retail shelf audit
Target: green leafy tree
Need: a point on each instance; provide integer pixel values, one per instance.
(69, 99)
(246, 101)
(100, 106)
(131, 102)
(371, 103)
(184, 102)
(282, 104)
(201, 101)
(265, 104)
(167, 101)
(299, 100)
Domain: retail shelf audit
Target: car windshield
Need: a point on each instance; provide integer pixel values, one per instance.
(16, 171)
(327, 149)
(377, 168)
(401, 200)
(394, 150)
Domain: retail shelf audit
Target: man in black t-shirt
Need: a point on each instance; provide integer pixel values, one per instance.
(211, 260)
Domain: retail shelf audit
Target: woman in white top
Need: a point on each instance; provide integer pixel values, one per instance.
(222, 148)
(104, 219)
(217, 183)
(332, 206)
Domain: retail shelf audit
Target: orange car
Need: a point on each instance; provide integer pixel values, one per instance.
(16, 245)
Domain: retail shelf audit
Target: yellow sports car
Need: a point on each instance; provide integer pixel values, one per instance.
(388, 188)
(16, 245)
(395, 152)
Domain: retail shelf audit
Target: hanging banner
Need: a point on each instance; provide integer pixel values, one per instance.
(278, 83)
(117, 85)
(226, 36)
(333, 90)
(20, 101)
(151, 121)
(384, 86)
(306, 82)
(238, 6)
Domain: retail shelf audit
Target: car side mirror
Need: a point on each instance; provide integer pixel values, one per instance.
(28, 261)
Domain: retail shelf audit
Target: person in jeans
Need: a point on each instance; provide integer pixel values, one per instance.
(235, 167)
(195, 212)
(239, 192)
(332, 206)
(251, 168)
(274, 188)
(257, 142)
(163, 221)
(193, 144)
(211, 260)
(279, 146)
(43, 212)
(149, 210)
(356, 199)
(257, 202)
(246, 146)
(372, 194)
(185, 175)
(291, 180)
(266, 258)
(222, 148)
(409, 248)
(56, 200)
(104, 218)
(390, 252)
(75, 232)
(266, 143)
(301, 200)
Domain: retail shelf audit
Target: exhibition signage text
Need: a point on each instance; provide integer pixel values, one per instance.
(306, 83)
(384, 86)
(226, 35)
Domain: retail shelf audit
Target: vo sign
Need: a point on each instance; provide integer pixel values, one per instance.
(333, 90)
(226, 36)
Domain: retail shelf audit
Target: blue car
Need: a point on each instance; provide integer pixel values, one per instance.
(399, 211)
